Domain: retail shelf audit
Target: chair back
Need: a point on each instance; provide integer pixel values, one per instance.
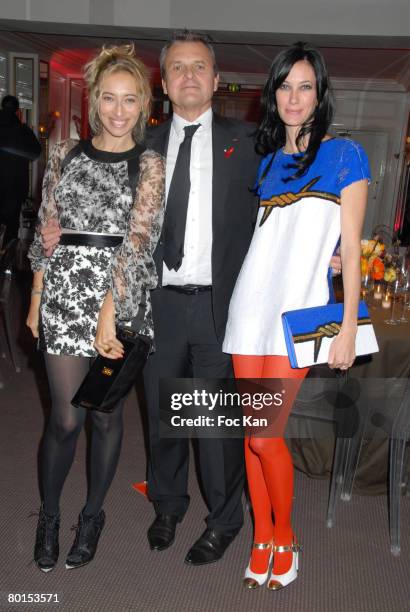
(7, 260)
(2, 232)
(401, 425)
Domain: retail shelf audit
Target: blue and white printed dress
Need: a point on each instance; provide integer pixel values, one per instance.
(297, 230)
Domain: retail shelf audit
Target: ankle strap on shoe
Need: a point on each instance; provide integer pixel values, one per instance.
(263, 546)
(294, 547)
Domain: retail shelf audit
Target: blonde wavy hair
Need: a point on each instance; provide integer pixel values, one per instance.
(117, 59)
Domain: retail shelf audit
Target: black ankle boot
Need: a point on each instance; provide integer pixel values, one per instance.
(46, 548)
(88, 532)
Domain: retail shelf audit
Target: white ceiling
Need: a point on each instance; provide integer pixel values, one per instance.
(237, 53)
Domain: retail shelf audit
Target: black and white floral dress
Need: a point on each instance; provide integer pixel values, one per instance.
(93, 194)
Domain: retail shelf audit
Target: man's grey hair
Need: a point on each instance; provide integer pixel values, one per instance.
(186, 36)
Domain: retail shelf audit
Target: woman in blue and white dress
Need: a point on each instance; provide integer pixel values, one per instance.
(313, 191)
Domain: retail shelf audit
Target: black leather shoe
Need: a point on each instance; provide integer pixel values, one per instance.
(161, 534)
(209, 548)
(87, 534)
(46, 548)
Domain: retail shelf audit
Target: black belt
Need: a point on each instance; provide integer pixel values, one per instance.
(95, 240)
(188, 289)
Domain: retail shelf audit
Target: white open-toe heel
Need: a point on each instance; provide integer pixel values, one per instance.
(278, 581)
(251, 580)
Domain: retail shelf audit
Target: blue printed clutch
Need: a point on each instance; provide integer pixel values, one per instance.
(309, 333)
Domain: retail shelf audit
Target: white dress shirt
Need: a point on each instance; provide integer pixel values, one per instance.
(196, 264)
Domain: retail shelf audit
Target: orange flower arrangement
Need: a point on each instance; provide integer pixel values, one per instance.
(375, 262)
(378, 269)
(371, 258)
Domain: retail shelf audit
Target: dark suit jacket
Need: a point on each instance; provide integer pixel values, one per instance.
(18, 146)
(233, 205)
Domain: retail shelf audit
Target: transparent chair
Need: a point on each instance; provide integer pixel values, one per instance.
(2, 232)
(384, 408)
(347, 446)
(7, 260)
(399, 436)
(360, 409)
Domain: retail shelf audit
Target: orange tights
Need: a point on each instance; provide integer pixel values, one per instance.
(269, 468)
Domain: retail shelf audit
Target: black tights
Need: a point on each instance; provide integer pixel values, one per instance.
(65, 373)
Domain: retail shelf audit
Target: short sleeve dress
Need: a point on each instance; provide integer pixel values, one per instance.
(93, 194)
(297, 230)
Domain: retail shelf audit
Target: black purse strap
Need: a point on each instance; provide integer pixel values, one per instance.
(74, 152)
(134, 171)
(133, 330)
(139, 319)
(133, 176)
(133, 164)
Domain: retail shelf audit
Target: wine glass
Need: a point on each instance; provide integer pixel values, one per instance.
(366, 286)
(405, 313)
(392, 295)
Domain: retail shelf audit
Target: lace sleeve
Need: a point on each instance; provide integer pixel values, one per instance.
(48, 209)
(133, 271)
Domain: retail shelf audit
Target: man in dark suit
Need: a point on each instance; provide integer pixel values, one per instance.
(196, 280)
(18, 147)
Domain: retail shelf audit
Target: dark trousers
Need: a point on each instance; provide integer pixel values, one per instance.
(186, 346)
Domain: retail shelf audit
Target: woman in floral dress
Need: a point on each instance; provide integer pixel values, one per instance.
(107, 195)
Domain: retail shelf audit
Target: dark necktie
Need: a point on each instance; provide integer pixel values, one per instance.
(177, 203)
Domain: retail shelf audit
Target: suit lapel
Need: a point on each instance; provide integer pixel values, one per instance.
(222, 141)
(223, 137)
(158, 137)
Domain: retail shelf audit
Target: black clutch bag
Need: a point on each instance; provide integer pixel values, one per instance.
(109, 380)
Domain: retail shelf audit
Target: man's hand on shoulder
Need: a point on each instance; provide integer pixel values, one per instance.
(336, 264)
(50, 236)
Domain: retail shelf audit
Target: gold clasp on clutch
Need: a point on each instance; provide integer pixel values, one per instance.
(107, 371)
